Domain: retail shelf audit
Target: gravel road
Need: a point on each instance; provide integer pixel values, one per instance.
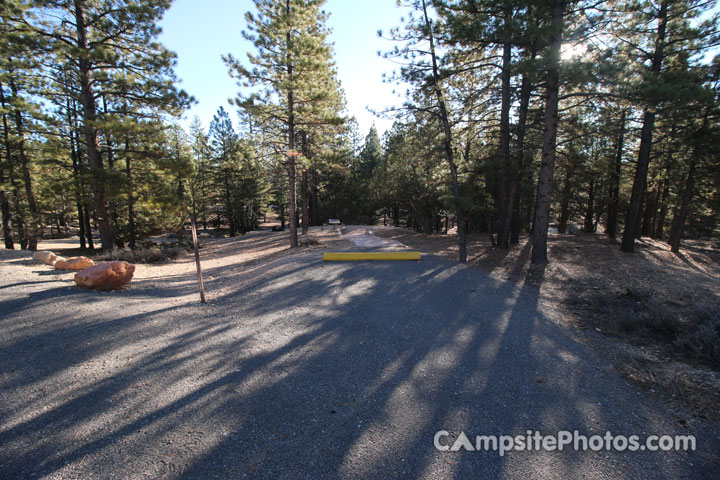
(303, 369)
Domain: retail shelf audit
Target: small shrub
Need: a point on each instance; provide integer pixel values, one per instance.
(660, 320)
(140, 255)
(149, 255)
(306, 242)
(174, 251)
(116, 254)
(649, 318)
(702, 340)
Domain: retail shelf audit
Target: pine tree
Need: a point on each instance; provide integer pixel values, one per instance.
(19, 89)
(224, 142)
(702, 137)
(67, 129)
(202, 171)
(371, 153)
(413, 173)
(491, 30)
(545, 177)
(109, 51)
(294, 71)
(424, 69)
(362, 173)
(673, 38)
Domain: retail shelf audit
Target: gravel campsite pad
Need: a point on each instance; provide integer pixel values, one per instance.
(298, 368)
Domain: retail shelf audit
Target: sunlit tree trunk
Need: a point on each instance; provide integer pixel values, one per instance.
(34, 217)
(19, 210)
(545, 179)
(89, 117)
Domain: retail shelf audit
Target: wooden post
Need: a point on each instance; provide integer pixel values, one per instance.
(197, 258)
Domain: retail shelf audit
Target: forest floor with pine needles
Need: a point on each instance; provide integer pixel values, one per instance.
(655, 312)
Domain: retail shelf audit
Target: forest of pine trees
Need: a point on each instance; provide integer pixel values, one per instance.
(520, 117)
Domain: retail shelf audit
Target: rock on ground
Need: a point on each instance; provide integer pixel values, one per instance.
(106, 276)
(74, 263)
(45, 256)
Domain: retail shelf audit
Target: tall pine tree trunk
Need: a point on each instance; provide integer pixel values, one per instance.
(282, 217)
(87, 204)
(203, 197)
(292, 202)
(112, 203)
(640, 181)
(88, 228)
(305, 205)
(89, 117)
(662, 213)
(525, 91)
(565, 201)
(74, 156)
(7, 230)
(589, 226)
(76, 181)
(547, 167)
(447, 143)
(678, 223)
(34, 217)
(639, 219)
(651, 199)
(614, 194)
(5, 209)
(506, 184)
(305, 192)
(132, 236)
(18, 208)
(292, 176)
(229, 205)
(314, 194)
(427, 224)
(82, 207)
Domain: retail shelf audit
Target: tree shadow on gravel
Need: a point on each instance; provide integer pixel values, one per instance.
(20, 284)
(306, 369)
(52, 273)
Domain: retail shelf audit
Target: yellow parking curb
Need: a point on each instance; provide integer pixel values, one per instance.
(351, 256)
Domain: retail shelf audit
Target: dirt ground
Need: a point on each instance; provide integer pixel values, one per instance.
(229, 255)
(641, 308)
(637, 307)
(292, 353)
(299, 368)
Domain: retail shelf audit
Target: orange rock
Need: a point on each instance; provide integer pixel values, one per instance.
(74, 263)
(106, 276)
(45, 256)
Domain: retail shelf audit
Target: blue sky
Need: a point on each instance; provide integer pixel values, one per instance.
(199, 32)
